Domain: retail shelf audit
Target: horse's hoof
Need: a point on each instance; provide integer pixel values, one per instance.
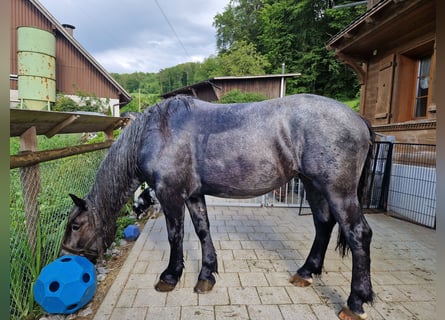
(203, 286)
(163, 286)
(347, 314)
(299, 281)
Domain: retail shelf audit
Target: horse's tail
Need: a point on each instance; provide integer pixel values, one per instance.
(363, 185)
(362, 189)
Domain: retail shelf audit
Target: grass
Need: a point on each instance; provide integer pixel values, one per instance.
(57, 179)
(354, 104)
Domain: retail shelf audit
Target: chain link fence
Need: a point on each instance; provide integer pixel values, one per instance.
(39, 208)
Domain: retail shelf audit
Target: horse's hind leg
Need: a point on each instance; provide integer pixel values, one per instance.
(198, 212)
(324, 223)
(356, 234)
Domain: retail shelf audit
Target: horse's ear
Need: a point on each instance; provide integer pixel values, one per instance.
(82, 204)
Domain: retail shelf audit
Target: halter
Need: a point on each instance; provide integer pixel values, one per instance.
(91, 254)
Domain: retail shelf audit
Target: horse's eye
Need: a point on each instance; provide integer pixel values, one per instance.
(75, 227)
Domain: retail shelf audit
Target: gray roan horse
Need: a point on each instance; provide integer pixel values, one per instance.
(184, 148)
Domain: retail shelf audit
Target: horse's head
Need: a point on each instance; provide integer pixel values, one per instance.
(84, 231)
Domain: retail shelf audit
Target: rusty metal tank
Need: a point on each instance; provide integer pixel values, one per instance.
(36, 68)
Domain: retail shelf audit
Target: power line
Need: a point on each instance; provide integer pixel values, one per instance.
(173, 29)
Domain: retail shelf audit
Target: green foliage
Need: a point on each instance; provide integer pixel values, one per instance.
(353, 104)
(58, 178)
(293, 33)
(236, 96)
(147, 83)
(44, 143)
(140, 102)
(184, 74)
(64, 103)
(122, 222)
(238, 22)
(242, 59)
(87, 102)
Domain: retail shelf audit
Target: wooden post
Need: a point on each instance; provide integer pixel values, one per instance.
(30, 180)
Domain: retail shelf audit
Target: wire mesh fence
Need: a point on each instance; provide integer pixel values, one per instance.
(39, 208)
(403, 181)
(412, 187)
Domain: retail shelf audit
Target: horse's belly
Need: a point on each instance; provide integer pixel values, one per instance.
(242, 178)
(237, 192)
(245, 163)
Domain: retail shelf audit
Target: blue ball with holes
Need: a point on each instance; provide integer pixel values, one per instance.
(131, 232)
(65, 285)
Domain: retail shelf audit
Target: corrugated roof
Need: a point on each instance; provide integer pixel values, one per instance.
(208, 82)
(50, 123)
(265, 76)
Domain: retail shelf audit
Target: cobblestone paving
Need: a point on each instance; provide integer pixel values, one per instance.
(258, 250)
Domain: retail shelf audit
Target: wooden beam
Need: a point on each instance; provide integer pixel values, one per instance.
(31, 158)
(354, 64)
(109, 131)
(54, 130)
(28, 140)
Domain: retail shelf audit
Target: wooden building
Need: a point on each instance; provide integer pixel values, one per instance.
(271, 86)
(75, 69)
(392, 48)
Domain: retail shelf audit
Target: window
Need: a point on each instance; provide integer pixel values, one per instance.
(422, 86)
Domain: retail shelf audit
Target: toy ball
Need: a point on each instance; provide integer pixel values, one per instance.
(131, 232)
(65, 285)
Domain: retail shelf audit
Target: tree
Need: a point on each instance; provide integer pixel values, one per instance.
(242, 59)
(140, 102)
(294, 33)
(238, 22)
(147, 83)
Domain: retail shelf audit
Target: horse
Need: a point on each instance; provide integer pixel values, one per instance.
(185, 148)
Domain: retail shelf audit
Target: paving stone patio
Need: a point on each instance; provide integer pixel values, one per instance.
(258, 250)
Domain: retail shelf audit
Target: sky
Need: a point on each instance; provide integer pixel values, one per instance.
(141, 35)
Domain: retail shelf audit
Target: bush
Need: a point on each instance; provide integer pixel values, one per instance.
(236, 96)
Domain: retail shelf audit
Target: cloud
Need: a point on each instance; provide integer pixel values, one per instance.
(133, 35)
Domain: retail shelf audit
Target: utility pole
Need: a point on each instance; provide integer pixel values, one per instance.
(282, 81)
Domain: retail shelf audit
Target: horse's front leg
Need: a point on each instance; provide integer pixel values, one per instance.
(198, 212)
(174, 217)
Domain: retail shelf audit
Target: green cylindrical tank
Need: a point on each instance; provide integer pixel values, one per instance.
(36, 58)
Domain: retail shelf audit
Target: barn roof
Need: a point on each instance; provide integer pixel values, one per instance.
(211, 82)
(381, 24)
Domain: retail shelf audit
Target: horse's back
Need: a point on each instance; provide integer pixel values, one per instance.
(258, 146)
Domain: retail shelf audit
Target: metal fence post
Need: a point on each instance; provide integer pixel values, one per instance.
(383, 201)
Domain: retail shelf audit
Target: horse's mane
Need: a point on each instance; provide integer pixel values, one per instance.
(165, 109)
(118, 175)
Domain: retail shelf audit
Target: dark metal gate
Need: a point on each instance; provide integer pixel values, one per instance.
(380, 175)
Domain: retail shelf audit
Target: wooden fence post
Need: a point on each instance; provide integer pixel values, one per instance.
(30, 180)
